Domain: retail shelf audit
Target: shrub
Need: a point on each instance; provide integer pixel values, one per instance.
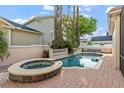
(63, 44)
(45, 54)
(3, 46)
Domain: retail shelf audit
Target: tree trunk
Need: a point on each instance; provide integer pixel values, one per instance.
(58, 26)
(77, 32)
(73, 27)
(68, 10)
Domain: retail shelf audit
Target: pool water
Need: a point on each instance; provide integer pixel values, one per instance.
(36, 65)
(82, 60)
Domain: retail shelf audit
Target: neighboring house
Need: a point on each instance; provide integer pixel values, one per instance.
(18, 34)
(99, 44)
(45, 25)
(102, 41)
(116, 29)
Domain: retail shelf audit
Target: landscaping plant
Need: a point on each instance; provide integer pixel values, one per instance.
(3, 46)
(57, 27)
(69, 28)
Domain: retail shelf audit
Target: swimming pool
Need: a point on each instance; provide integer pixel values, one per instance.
(84, 60)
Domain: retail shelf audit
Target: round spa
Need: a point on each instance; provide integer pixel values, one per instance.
(34, 70)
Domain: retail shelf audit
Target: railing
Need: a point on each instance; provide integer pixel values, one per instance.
(77, 50)
(97, 46)
(58, 53)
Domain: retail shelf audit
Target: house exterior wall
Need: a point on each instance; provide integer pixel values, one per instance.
(19, 37)
(45, 25)
(114, 30)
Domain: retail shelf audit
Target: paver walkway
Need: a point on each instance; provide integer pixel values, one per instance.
(106, 76)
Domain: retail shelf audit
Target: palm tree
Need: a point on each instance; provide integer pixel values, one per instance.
(58, 26)
(77, 32)
(3, 46)
(73, 26)
(68, 10)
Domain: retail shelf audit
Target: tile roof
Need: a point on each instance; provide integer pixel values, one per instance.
(102, 38)
(20, 25)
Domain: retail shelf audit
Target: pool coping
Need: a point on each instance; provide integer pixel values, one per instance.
(17, 70)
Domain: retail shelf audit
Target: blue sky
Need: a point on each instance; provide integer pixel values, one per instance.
(23, 12)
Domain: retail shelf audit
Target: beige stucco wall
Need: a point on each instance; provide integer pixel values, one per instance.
(22, 53)
(19, 37)
(114, 30)
(45, 25)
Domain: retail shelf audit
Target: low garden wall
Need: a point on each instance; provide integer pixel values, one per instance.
(20, 53)
(103, 49)
(106, 50)
(58, 53)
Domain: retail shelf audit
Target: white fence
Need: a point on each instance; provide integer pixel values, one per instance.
(103, 48)
(77, 50)
(97, 46)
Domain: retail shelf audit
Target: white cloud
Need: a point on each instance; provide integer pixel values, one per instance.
(85, 8)
(48, 8)
(86, 15)
(19, 20)
(108, 9)
(99, 32)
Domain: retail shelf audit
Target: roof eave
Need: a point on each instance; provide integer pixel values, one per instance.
(23, 29)
(29, 30)
(35, 18)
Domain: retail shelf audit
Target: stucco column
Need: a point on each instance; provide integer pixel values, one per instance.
(9, 42)
(118, 42)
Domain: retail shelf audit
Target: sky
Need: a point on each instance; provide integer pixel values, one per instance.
(21, 13)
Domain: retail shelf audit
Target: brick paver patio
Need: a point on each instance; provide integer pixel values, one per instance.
(106, 76)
